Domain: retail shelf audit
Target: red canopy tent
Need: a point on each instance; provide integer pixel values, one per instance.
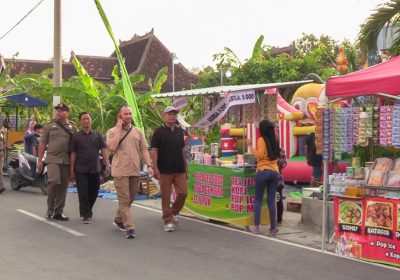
(380, 78)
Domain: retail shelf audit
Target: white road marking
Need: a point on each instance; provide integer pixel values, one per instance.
(66, 229)
(275, 240)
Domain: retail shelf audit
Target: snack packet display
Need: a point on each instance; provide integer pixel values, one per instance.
(385, 124)
(362, 130)
(375, 125)
(396, 126)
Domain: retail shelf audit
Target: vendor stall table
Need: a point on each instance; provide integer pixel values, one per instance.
(223, 193)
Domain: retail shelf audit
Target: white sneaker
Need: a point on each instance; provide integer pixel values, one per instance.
(169, 227)
(176, 221)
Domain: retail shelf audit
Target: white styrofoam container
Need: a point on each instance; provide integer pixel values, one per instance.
(308, 191)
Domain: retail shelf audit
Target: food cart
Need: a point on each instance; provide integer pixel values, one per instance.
(367, 197)
(17, 101)
(221, 179)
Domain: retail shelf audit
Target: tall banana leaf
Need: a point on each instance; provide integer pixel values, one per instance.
(114, 74)
(135, 79)
(128, 90)
(90, 87)
(151, 105)
(258, 50)
(87, 81)
(160, 79)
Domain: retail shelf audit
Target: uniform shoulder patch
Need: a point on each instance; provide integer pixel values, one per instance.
(50, 124)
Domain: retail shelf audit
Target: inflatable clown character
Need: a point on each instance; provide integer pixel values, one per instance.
(298, 117)
(306, 100)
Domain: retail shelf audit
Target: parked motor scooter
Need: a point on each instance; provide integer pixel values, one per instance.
(23, 173)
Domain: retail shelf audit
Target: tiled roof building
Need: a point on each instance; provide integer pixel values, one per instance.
(144, 55)
(98, 67)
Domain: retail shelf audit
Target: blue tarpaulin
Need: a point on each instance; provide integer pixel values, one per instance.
(113, 196)
(24, 99)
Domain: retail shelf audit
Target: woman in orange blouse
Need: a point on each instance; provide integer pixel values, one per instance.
(267, 176)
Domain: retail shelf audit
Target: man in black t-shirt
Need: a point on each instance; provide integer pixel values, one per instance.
(313, 160)
(169, 160)
(85, 165)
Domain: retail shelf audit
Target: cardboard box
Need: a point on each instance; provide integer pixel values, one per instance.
(293, 204)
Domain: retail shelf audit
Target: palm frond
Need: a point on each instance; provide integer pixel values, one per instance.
(387, 13)
(229, 50)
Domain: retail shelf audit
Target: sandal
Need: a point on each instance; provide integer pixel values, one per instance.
(254, 229)
(272, 232)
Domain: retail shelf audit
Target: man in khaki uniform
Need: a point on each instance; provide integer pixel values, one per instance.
(2, 153)
(56, 137)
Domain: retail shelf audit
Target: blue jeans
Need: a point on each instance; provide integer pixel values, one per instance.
(269, 179)
(317, 172)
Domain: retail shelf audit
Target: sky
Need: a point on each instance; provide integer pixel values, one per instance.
(194, 30)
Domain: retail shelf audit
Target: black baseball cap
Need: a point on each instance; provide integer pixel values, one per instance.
(62, 106)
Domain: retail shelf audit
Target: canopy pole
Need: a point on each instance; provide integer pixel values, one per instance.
(324, 212)
(397, 98)
(324, 194)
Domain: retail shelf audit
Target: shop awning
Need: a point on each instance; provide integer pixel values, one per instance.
(24, 99)
(224, 89)
(375, 80)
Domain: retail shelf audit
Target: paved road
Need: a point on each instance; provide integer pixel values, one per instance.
(33, 249)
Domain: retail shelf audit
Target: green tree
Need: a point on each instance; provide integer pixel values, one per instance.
(324, 47)
(208, 77)
(313, 55)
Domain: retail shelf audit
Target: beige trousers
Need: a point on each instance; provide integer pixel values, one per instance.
(126, 188)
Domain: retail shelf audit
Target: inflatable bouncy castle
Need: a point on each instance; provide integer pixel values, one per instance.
(296, 121)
